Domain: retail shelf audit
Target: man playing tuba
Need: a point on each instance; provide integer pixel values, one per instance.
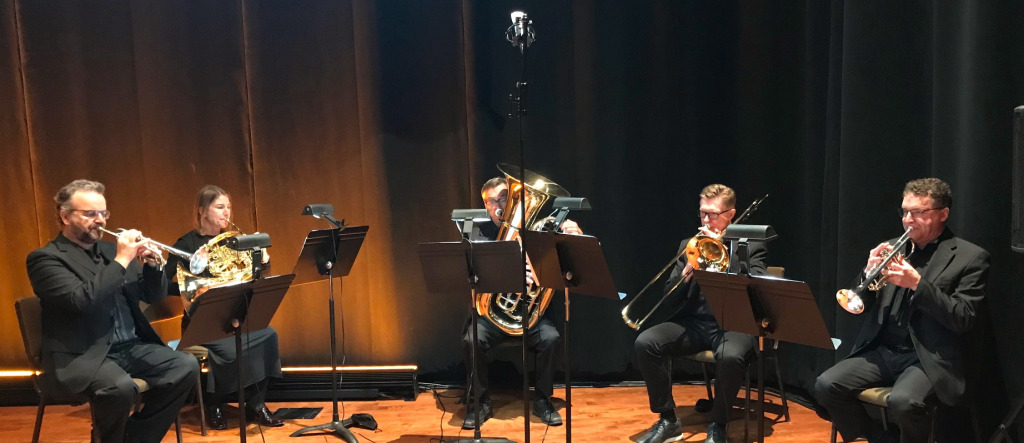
(541, 337)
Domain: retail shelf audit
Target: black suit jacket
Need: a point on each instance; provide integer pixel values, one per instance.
(943, 309)
(77, 298)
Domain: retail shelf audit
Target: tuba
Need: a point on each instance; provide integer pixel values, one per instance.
(224, 266)
(502, 309)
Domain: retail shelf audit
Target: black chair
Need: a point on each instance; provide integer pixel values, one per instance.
(30, 315)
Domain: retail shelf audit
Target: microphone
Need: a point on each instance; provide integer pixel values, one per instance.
(520, 34)
(517, 23)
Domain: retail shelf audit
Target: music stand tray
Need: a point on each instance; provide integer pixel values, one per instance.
(228, 310)
(328, 251)
(471, 267)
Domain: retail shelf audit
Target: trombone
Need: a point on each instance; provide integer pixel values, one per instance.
(197, 262)
(703, 252)
(851, 299)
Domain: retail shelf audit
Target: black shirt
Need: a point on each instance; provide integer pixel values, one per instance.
(124, 324)
(896, 332)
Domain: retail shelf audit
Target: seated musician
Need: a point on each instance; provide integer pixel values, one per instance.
(541, 337)
(914, 326)
(693, 329)
(95, 338)
(213, 216)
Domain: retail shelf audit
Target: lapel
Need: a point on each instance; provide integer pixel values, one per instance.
(945, 251)
(75, 257)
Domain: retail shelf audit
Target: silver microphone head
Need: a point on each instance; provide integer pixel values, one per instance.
(517, 15)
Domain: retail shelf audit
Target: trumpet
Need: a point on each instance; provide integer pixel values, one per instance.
(197, 262)
(703, 252)
(852, 299)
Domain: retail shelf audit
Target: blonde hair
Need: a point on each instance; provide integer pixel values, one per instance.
(724, 192)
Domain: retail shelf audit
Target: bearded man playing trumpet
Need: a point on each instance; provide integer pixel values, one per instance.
(260, 348)
(914, 326)
(95, 337)
(694, 329)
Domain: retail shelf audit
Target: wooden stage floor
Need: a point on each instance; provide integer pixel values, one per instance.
(607, 414)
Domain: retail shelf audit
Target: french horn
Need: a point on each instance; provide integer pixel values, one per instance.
(224, 266)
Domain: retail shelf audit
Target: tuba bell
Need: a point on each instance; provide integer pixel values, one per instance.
(502, 309)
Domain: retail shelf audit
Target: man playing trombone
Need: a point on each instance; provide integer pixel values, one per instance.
(693, 329)
(913, 327)
(95, 337)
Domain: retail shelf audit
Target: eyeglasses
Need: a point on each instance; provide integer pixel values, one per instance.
(92, 213)
(712, 215)
(916, 213)
(496, 201)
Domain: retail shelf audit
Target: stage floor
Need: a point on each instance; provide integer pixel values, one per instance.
(607, 414)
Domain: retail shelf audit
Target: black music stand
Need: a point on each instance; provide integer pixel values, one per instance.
(228, 310)
(569, 262)
(765, 307)
(330, 253)
(471, 267)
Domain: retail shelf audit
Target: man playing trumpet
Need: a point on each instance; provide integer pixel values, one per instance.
(693, 329)
(95, 337)
(914, 326)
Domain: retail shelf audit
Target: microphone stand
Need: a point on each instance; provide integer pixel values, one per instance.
(520, 34)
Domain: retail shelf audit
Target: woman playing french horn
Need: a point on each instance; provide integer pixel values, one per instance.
(213, 218)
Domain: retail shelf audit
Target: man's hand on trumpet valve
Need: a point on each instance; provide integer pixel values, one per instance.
(129, 246)
(877, 255)
(150, 255)
(902, 274)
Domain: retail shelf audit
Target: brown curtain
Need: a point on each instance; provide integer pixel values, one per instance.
(275, 102)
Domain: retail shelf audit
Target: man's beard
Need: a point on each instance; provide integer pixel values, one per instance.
(87, 236)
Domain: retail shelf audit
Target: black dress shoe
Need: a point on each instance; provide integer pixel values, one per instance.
(262, 415)
(543, 408)
(663, 430)
(215, 417)
(470, 422)
(716, 433)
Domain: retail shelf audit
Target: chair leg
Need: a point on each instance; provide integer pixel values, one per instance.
(705, 405)
(707, 381)
(885, 419)
(746, 411)
(39, 419)
(834, 433)
(782, 386)
(202, 407)
(177, 427)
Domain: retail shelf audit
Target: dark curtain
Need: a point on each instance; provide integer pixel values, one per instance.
(396, 112)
